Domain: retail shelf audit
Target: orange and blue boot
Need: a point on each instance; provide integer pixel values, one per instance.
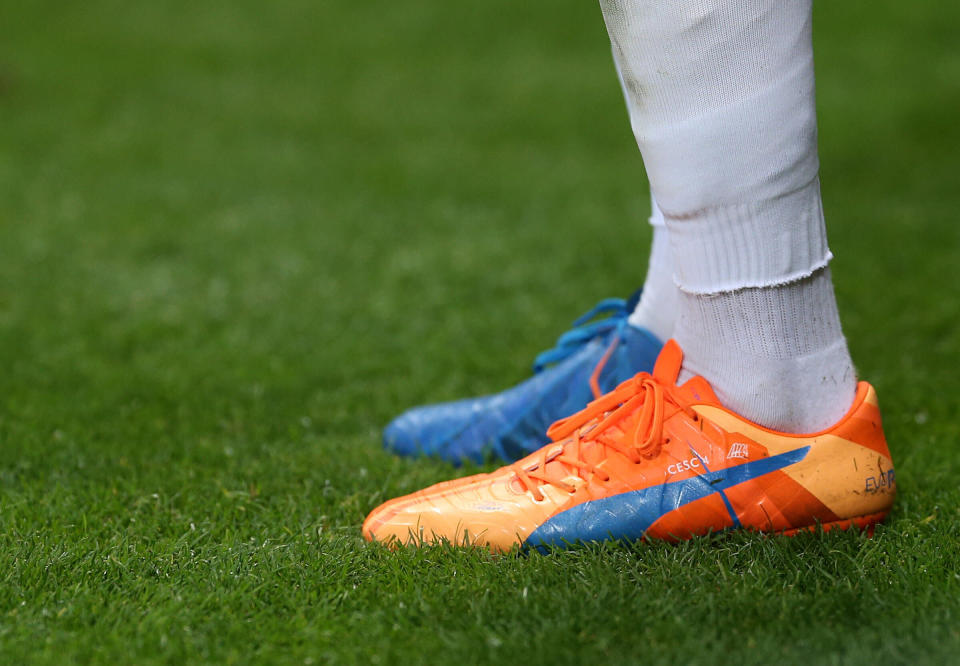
(652, 459)
(600, 351)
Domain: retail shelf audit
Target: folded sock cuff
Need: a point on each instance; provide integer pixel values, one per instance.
(756, 244)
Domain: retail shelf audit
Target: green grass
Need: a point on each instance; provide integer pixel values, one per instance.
(236, 238)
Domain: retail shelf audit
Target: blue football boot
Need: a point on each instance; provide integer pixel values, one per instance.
(598, 353)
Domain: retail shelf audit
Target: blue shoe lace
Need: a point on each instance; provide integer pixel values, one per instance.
(584, 330)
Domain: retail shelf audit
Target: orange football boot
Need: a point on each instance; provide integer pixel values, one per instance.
(652, 459)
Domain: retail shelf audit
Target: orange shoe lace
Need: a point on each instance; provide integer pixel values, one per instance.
(643, 393)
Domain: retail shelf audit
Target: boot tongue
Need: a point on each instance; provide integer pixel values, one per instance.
(667, 368)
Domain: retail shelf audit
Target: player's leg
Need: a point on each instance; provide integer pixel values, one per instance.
(721, 97)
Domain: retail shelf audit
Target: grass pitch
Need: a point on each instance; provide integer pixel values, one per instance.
(236, 238)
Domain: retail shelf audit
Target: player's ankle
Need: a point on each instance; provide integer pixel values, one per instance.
(774, 354)
(656, 311)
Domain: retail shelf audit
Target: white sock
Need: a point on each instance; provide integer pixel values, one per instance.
(775, 355)
(657, 309)
(721, 97)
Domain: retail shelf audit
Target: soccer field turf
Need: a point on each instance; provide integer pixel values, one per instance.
(236, 238)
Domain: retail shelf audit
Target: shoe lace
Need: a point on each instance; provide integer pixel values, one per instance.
(584, 330)
(643, 400)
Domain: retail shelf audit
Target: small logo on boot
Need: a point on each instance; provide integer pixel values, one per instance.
(738, 450)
